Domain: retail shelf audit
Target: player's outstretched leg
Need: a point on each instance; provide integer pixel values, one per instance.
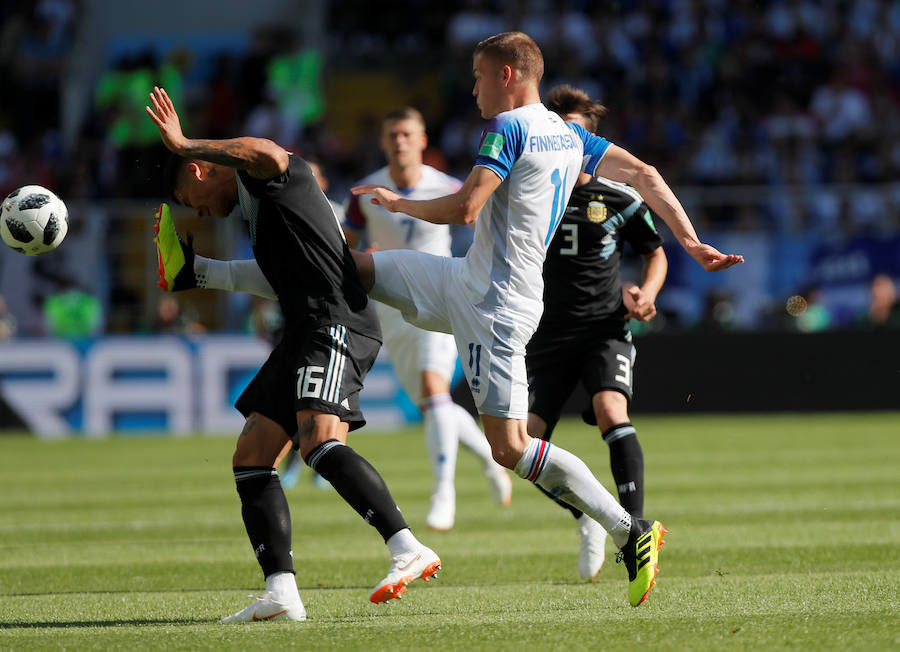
(175, 257)
(565, 476)
(641, 556)
(364, 489)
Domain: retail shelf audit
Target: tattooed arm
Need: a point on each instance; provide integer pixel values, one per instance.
(260, 157)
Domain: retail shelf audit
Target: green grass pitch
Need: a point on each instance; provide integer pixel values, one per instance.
(783, 533)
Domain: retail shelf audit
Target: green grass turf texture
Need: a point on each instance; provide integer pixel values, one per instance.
(783, 534)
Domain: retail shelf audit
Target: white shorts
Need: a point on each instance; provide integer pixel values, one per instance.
(413, 350)
(432, 293)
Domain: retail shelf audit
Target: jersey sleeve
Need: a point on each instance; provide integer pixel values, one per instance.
(594, 147)
(269, 187)
(502, 143)
(354, 218)
(640, 231)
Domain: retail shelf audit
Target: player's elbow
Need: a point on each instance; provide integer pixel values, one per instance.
(271, 158)
(644, 175)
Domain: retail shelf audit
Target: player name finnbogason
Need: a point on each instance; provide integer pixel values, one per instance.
(551, 143)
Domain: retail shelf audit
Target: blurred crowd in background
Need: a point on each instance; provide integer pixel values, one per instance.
(777, 122)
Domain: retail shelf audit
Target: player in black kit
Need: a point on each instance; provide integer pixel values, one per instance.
(583, 334)
(310, 384)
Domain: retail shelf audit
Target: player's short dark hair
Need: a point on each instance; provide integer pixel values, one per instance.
(405, 113)
(175, 166)
(515, 49)
(567, 99)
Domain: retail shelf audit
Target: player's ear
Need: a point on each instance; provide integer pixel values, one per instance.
(196, 171)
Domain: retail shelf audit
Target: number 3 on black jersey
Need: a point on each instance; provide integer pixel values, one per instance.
(569, 235)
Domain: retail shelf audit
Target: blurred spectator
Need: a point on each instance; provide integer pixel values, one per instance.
(884, 306)
(172, 319)
(7, 322)
(799, 95)
(718, 312)
(120, 97)
(72, 313)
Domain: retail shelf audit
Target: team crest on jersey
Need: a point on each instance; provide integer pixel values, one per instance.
(596, 210)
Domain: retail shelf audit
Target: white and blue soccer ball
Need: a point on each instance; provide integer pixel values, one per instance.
(33, 220)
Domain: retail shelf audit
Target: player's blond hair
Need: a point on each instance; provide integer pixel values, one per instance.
(405, 113)
(515, 49)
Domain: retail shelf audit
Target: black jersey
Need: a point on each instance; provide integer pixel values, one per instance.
(301, 250)
(582, 279)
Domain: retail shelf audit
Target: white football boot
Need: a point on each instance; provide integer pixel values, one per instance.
(266, 608)
(593, 547)
(421, 564)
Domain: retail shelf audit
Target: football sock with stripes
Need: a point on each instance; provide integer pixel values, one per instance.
(266, 517)
(564, 475)
(626, 458)
(441, 439)
(577, 513)
(359, 484)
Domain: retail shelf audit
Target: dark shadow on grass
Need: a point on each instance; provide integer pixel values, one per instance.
(104, 623)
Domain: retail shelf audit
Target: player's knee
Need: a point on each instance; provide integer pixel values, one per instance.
(610, 408)
(505, 458)
(536, 426)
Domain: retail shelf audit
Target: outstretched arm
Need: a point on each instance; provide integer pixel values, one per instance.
(462, 207)
(619, 165)
(260, 157)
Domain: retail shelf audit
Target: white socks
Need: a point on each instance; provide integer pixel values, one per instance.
(402, 542)
(282, 587)
(569, 479)
(441, 439)
(232, 276)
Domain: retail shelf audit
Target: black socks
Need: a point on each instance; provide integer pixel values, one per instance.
(359, 484)
(626, 459)
(266, 517)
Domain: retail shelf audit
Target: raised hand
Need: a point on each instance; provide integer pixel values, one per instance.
(165, 118)
(712, 260)
(380, 195)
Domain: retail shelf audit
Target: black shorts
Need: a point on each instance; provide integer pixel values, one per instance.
(312, 369)
(557, 360)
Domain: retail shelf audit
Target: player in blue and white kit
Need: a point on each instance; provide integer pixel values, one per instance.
(491, 300)
(424, 361)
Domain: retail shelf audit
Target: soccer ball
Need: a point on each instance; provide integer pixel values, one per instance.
(33, 220)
